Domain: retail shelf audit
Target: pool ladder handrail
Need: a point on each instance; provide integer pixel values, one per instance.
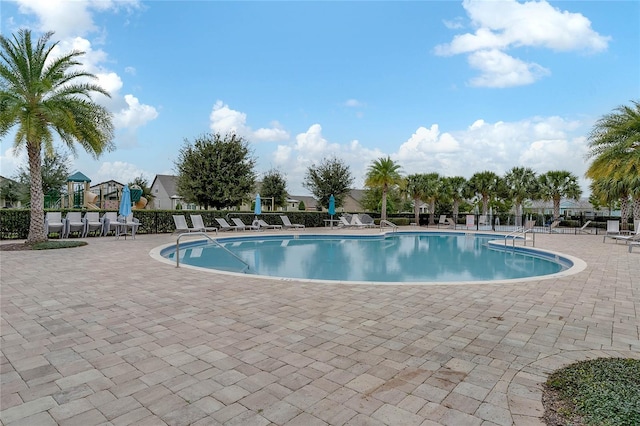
(520, 232)
(390, 224)
(210, 239)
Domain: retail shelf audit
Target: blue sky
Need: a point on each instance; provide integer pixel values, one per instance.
(440, 86)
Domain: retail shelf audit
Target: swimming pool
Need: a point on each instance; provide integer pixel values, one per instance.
(394, 258)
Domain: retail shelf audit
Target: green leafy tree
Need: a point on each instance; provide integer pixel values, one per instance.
(302, 206)
(331, 176)
(274, 185)
(453, 189)
(383, 173)
(43, 95)
(614, 145)
(521, 184)
(484, 185)
(556, 184)
(10, 191)
(142, 183)
(55, 171)
(215, 171)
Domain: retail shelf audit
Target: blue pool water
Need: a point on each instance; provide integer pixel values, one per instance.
(397, 257)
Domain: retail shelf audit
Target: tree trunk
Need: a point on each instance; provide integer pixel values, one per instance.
(485, 205)
(432, 212)
(556, 208)
(416, 211)
(624, 212)
(37, 232)
(636, 209)
(383, 214)
(456, 206)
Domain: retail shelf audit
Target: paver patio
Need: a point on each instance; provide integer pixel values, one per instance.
(104, 334)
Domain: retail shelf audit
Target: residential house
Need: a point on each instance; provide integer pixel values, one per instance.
(11, 186)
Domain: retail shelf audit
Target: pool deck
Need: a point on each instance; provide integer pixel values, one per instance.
(104, 334)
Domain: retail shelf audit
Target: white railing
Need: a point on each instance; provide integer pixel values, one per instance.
(521, 233)
(210, 239)
(390, 224)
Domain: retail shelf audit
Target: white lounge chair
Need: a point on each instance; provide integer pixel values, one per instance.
(613, 228)
(53, 223)
(224, 225)
(443, 220)
(631, 238)
(368, 220)
(263, 224)
(355, 221)
(583, 229)
(241, 226)
(451, 222)
(344, 222)
(198, 224)
(74, 224)
(181, 224)
(287, 223)
(554, 226)
(92, 223)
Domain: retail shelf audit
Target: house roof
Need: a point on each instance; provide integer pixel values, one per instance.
(168, 182)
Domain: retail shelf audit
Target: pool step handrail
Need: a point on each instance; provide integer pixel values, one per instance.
(390, 224)
(520, 233)
(210, 239)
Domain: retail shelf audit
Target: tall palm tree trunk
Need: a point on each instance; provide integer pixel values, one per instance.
(36, 226)
(636, 209)
(383, 214)
(556, 207)
(416, 210)
(624, 212)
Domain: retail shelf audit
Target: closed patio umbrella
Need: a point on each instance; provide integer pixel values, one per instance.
(125, 206)
(332, 208)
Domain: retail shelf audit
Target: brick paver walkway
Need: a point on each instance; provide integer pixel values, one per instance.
(104, 334)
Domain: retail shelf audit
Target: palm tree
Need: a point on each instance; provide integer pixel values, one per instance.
(453, 189)
(614, 144)
(383, 173)
(432, 192)
(43, 95)
(610, 190)
(522, 184)
(484, 184)
(556, 184)
(415, 186)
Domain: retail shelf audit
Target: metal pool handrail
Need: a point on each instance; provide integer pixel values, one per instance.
(520, 232)
(210, 239)
(391, 224)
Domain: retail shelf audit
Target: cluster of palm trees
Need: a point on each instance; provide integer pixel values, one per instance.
(517, 186)
(614, 144)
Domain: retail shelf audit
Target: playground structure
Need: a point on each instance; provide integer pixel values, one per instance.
(80, 195)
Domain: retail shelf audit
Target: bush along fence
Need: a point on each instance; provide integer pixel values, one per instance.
(14, 223)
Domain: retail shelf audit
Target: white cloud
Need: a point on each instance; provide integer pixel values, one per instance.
(120, 171)
(71, 18)
(11, 159)
(226, 120)
(353, 103)
(509, 24)
(135, 114)
(501, 70)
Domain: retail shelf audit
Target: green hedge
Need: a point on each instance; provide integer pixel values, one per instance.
(14, 223)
